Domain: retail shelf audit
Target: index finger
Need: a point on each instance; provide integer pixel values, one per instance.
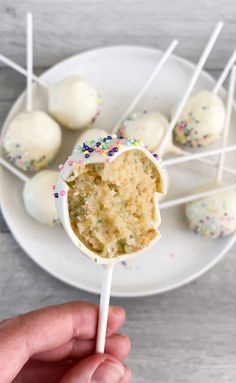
(45, 329)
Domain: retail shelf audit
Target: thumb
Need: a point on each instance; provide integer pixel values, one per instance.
(99, 368)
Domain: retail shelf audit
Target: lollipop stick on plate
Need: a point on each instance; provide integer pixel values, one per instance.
(151, 78)
(18, 68)
(29, 60)
(229, 108)
(191, 85)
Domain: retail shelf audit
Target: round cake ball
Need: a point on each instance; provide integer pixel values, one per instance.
(73, 102)
(149, 127)
(89, 135)
(201, 121)
(38, 197)
(32, 140)
(213, 216)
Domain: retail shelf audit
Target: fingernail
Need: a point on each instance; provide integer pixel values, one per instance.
(108, 372)
(117, 310)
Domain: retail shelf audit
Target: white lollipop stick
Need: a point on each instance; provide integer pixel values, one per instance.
(196, 156)
(5, 60)
(191, 85)
(194, 197)
(104, 308)
(157, 69)
(13, 170)
(224, 73)
(228, 114)
(209, 162)
(29, 60)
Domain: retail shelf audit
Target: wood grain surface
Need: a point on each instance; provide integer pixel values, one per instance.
(185, 336)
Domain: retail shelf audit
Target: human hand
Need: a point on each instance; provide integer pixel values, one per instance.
(56, 345)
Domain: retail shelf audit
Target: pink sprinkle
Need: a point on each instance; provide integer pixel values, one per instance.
(70, 162)
(62, 193)
(146, 146)
(80, 162)
(53, 187)
(108, 160)
(118, 142)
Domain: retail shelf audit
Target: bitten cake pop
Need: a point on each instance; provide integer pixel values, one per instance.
(202, 120)
(106, 198)
(90, 134)
(215, 216)
(37, 194)
(32, 138)
(73, 102)
(148, 127)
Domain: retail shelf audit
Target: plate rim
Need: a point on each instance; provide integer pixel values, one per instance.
(82, 286)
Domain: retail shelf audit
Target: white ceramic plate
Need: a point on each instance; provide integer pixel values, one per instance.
(180, 256)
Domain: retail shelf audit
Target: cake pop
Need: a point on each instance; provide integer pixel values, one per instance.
(165, 141)
(201, 121)
(215, 216)
(33, 138)
(73, 102)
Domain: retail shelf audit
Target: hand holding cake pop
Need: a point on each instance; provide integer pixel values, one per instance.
(106, 198)
(33, 138)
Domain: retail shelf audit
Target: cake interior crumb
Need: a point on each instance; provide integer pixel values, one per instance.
(111, 205)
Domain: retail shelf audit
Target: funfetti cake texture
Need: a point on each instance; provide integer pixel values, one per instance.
(106, 197)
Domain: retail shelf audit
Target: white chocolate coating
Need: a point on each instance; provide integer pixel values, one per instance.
(73, 102)
(90, 134)
(101, 154)
(32, 140)
(38, 197)
(148, 127)
(213, 216)
(201, 121)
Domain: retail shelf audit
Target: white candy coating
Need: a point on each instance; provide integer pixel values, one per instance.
(100, 154)
(148, 127)
(90, 134)
(32, 140)
(213, 216)
(38, 197)
(201, 121)
(73, 102)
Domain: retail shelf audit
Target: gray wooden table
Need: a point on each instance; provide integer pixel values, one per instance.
(188, 335)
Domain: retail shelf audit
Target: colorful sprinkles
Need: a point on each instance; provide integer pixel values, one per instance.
(106, 147)
(211, 217)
